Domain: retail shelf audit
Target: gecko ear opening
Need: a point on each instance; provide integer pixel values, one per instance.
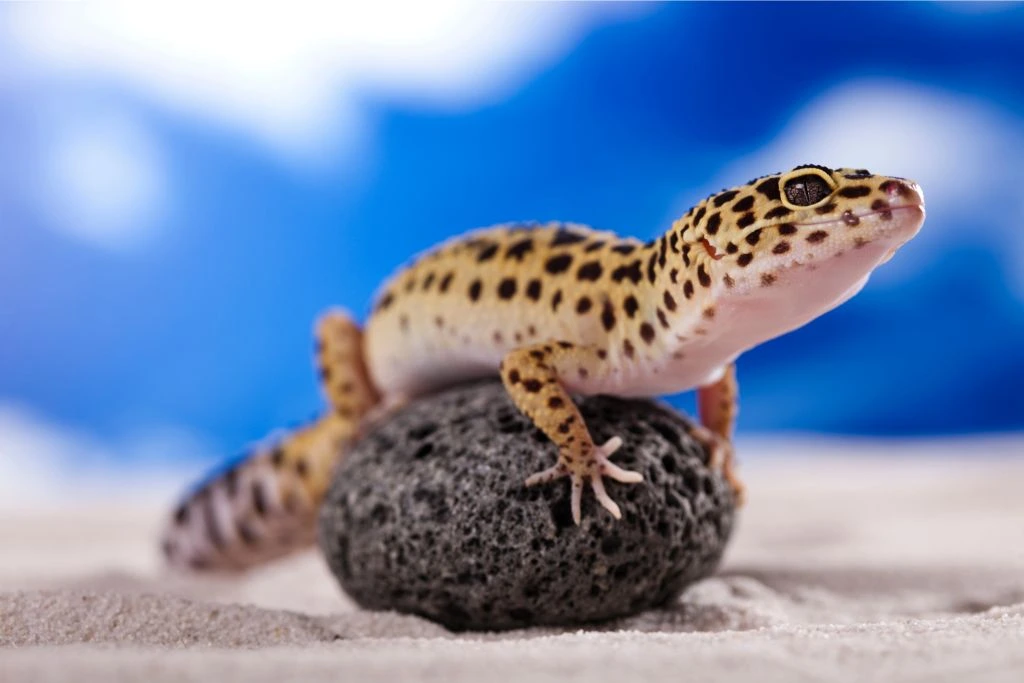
(806, 187)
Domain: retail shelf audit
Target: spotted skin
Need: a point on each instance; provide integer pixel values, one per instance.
(559, 309)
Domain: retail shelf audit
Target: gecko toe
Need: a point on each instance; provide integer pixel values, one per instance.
(577, 499)
(550, 474)
(604, 499)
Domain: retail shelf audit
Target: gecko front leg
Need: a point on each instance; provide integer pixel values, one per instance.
(717, 406)
(533, 377)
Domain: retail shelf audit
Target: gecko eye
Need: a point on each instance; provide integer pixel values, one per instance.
(806, 187)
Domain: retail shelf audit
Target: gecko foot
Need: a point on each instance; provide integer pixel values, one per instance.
(594, 468)
(722, 457)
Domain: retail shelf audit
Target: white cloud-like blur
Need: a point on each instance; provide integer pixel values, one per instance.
(296, 81)
(44, 465)
(293, 78)
(966, 155)
(102, 178)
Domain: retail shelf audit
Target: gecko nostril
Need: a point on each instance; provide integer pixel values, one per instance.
(894, 188)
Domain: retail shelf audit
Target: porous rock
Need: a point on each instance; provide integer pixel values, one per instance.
(428, 514)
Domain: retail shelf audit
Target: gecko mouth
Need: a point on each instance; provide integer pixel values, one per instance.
(852, 219)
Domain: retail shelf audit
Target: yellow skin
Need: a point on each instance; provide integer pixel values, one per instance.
(559, 309)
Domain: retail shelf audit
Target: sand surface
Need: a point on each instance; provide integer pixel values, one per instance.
(865, 562)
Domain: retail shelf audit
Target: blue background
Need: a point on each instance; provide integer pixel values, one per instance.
(206, 325)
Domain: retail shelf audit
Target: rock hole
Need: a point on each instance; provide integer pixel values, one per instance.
(611, 544)
(667, 433)
(561, 515)
(422, 431)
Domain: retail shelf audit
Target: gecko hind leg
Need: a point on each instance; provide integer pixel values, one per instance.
(532, 376)
(265, 505)
(717, 404)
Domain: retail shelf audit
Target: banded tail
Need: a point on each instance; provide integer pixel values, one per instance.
(265, 506)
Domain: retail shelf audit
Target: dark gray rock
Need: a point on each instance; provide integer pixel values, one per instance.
(429, 515)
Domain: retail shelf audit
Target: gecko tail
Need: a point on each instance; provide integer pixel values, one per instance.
(261, 508)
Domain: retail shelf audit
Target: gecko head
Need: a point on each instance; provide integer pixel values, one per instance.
(811, 235)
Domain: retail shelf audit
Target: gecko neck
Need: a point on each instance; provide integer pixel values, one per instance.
(679, 277)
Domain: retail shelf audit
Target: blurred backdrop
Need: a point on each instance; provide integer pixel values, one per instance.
(181, 192)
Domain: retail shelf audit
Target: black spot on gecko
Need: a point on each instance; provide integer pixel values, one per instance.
(533, 289)
(744, 205)
(474, 290)
(213, 531)
(854, 191)
(627, 348)
(277, 457)
(714, 222)
(662, 249)
(445, 281)
(259, 498)
(583, 304)
(181, 515)
(700, 215)
(246, 533)
(487, 253)
(594, 246)
(558, 264)
(532, 385)
(688, 289)
(589, 271)
(428, 281)
(385, 301)
(630, 305)
(608, 316)
(564, 236)
(673, 243)
(231, 482)
(787, 229)
(630, 272)
(746, 220)
(781, 248)
(817, 236)
(647, 332)
(625, 249)
(507, 288)
(556, 300)
(743, 260)
(662, 319)
(703, 277)
(651, 274)
(520, 249)
(670, 302)
(725, 197)
(753, 237)
(770, 189)
(778, 212)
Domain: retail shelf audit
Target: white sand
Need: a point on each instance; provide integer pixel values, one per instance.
(844, 567)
